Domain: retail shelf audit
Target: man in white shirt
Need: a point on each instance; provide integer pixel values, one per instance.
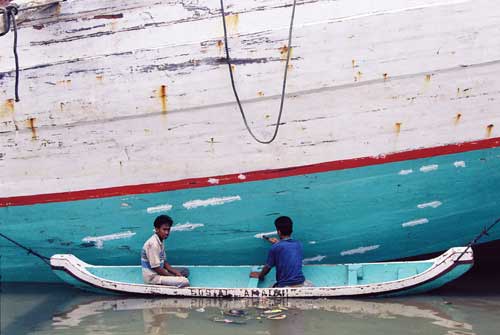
(155, 268)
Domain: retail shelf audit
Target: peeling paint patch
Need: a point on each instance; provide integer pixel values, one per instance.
(109, 16)
(459, 164)
(159, 208)
(210, 202)
(318, 258)
(261, 235)
(360, 250)
(312, 242)
(99, 240)
(405, 172)
(414, 223)
(213, 181)
(187, 226)
(242, 177)
(428, 168)
(433, 204)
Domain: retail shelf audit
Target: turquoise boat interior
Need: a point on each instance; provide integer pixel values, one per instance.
(238, 276)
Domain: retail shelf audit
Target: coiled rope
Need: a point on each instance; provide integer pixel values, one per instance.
(228, 59)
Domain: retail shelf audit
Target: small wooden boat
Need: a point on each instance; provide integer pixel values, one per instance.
(339, 280)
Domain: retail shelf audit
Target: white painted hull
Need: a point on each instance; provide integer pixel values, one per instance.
(367, 78)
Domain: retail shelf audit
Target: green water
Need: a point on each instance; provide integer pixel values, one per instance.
(467, 308)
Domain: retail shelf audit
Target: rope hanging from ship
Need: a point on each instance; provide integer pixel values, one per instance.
(10, 13)
(228, 60)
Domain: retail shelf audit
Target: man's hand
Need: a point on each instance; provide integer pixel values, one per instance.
(273, 240)
(255, 274)
(176, 273)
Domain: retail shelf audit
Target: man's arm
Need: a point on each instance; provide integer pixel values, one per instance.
(167, 270)
(161, 271)
(256, 274)
(171, 270)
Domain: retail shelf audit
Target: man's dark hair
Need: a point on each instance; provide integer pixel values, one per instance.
(284, 225)
(163, 219)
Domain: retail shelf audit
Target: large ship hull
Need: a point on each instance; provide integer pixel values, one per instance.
(376, 208)
(388, 147)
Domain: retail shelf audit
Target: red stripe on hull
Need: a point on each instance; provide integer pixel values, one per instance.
(250, 176)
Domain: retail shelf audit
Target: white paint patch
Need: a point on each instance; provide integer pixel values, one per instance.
(213, 181)
(187, 226)
(405, 172)
(158, 209)
(433, 204)
(261, 235)
(459, 164)
(360, 250)
(415, 223)
(210, 202)
(318, 258)
(242, 177)
(312, 242)
(99, 240)
(428, 168)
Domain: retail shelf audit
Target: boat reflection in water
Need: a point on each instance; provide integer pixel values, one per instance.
(430, 314)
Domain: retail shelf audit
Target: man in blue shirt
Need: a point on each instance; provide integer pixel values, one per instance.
(285, 255)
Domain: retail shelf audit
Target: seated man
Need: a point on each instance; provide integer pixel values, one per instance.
(286, 255)
(155, 268)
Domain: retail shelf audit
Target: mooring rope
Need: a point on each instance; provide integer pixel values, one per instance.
(478, 237)
(29, 250)
(228, 59)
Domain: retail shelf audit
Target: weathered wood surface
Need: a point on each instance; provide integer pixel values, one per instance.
(130, 92)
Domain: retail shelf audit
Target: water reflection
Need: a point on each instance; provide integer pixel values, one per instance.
(301, 315)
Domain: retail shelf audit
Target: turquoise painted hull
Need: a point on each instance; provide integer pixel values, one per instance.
(353, 215)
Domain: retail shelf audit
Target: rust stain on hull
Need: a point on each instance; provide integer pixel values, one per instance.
(489, 130)
(284, 50)
(457, 118)
(31, 124)
(397, 127)
(7, 110)
(163, 98)
(232, 22)
(220, 46)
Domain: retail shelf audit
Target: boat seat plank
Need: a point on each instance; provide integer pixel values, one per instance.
(354, 273)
